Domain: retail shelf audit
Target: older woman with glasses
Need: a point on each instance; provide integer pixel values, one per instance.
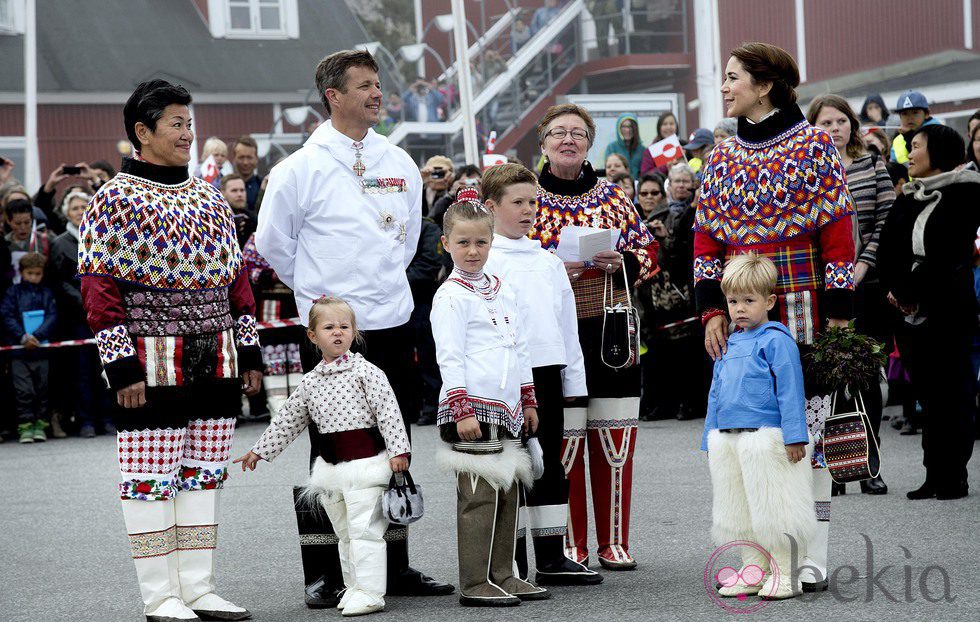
(570, 193)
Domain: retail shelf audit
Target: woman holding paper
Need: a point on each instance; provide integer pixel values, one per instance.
(570, 194)
(778, 190)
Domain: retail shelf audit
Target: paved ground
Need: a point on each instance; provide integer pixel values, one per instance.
(64, 555)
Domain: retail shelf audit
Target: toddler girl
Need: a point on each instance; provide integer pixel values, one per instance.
(362, 440)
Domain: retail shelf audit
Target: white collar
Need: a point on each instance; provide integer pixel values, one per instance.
(341, 146)
(520, 244)
(766, 116)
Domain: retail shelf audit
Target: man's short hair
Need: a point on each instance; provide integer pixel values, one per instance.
(32, 260)
(331, 73)
(749, 274)
(497, 179)
(227, 179)
(246, 140)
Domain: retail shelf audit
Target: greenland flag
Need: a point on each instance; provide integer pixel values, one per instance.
(209, 171)
(666, 151)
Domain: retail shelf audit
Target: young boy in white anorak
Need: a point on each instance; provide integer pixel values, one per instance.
(547, 307)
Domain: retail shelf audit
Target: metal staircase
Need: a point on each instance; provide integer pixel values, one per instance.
(511, 83)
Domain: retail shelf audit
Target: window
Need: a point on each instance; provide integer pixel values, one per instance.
(11, 17)
(256, 17)
(252, 19)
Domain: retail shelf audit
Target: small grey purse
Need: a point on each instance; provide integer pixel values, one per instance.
(402, 503)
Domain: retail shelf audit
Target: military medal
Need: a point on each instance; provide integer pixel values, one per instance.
(359, 167)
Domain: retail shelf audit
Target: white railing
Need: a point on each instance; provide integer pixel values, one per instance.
(492, 34)
(524, 57)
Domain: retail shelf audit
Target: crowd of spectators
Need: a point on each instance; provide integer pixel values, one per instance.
(41, 301)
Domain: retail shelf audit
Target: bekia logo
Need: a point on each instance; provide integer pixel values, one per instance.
(741, 575)
(732, 586)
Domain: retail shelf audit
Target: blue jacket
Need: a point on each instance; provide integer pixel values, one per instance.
(27, 297)
(635, 157)
(759, 383)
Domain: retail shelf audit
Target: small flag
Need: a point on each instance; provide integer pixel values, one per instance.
(493, 159)
(666, 150)
(209, 171)
(492, 141)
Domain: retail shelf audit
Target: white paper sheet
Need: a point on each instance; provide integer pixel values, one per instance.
(583, 243)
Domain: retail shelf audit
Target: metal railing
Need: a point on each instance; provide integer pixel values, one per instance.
(511, 77)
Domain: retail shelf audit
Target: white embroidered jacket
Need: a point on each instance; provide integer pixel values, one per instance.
(547, 305)
(481, 348)
(347, 394)
(326, 231)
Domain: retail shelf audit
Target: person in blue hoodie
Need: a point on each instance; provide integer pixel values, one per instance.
(628, 142)
(29, 317)
(756, 437)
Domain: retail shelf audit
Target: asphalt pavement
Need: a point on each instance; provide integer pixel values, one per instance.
(64, 554)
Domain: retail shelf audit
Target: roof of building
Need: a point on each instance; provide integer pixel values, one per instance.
(113, 45)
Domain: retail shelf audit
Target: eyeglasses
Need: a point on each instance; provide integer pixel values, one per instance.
(651, 193)
(561, 133)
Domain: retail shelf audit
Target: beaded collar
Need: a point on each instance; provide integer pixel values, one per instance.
(479, 283)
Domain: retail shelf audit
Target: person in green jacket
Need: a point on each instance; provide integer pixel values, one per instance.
(628, 142)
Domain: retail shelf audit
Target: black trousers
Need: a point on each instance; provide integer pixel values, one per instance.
(391, 349)
(552, 488)
(937, 356)
(30, 376)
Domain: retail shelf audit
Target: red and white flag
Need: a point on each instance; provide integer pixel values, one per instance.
(493, 159)
(209, 170)
(492, 141)
(666, 150)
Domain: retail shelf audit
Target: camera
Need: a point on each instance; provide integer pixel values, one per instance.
(438, 173)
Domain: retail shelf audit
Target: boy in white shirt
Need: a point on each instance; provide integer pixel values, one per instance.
(547, 306)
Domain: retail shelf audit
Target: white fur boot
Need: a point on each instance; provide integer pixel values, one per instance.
(730, 518)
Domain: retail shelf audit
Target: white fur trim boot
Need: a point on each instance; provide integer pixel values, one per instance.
(476, 520)
(367, 552)
(153, 537)
(197, 537)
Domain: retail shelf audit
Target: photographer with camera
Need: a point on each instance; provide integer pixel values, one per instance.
(437, 177)
(422, 102)
(45, 197)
